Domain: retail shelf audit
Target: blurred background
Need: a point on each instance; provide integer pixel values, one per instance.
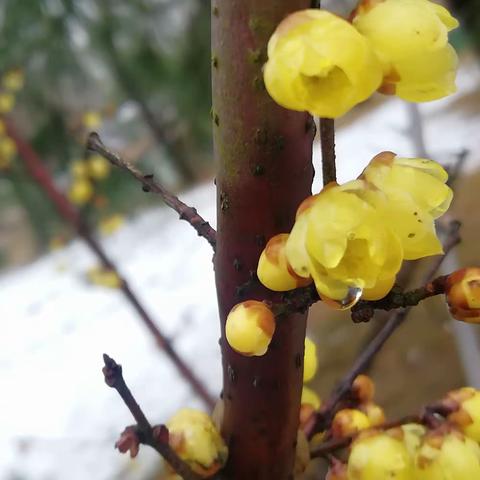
(138, 72)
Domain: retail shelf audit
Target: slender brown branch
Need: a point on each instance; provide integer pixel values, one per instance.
(187, 213)
(66, 210)
(327, 142)
(325, 415)
(157, 437)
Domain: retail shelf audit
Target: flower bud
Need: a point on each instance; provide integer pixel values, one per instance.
(98, 167)
(374, 413)
(80, 192)
(363, 388)
(7, 102)
(91, 119)
(319, 63)
(274, 271)
(348, 422)
(196, 441)
(466, 417)
(379, 456)
(310, 362)
(79, 169)
(250, 327)
(462, 290)
(445, 454)
(13, 80)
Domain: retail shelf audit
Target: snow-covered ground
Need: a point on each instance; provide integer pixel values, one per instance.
(57, 418)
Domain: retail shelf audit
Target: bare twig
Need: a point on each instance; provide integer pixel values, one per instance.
(187, 213)
(157, 437)
(325, 415)
(327, 141)
(66, 210)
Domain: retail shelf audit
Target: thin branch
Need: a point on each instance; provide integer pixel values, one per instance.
(325, 415)
(327, 142)
(157, 437)
(66, 210)
(187, 213)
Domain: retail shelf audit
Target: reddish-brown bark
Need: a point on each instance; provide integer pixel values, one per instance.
(264, 170)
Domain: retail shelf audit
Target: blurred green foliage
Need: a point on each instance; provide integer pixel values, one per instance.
(144, 64)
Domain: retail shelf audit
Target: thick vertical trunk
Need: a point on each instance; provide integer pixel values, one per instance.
(264, 170)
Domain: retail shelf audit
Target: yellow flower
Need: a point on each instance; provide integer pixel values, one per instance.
(409, 193)
(98, 167)
(467, 417)
(463, 294)
(343, 244)
(349, 422)
(413, 434)
(91, 119)
(410, 38)
(111, 224)
(379, 456)
(274, 270)
(319, 63)
(7, 102)
(80, 192)
(196, 440)
(13, 80)
(309, 397)
(374, 413)
(449, 455)
(250, 327)
(310, 362)
(104, 277)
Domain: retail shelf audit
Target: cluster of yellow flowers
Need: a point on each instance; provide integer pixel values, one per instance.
(86, 171)
(12, 81)
(323, 64)
(351, 239)
(411, 451)
(196, 440)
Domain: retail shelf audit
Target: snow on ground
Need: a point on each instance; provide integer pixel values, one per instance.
(57, 418)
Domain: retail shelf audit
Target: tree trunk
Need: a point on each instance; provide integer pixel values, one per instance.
(264, 170)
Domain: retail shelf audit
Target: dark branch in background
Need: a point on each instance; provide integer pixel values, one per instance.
(325, 415)
(187, 213)
(156, 437)
(66, 210)
(327, 142)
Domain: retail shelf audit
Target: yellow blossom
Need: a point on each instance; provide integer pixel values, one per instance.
(98, 167)
(409, 193)
(111, 224)
(310, 362)
(374, 413)
(250, 327)
(467, 417)
(274, 270)
(413, 434)
(104, 277)
(91, 119)
(196, 440)
(449, 456)
(349, 421)
(410, 38)
(13, 80)
(7, 102)
(80, 192)
(319, 63)
(309, 397)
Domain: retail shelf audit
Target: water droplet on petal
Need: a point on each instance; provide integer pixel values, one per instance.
(351, 298)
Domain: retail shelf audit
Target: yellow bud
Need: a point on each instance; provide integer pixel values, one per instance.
(7, 102)
(363, 388)
(319, 63)
(196, 440)
(309, 397)
(250, 327)
(111, 224)
(374, 413)
(274, 270)
(463, 294)
(447, 455)
(411, 39)
(79, 169)
(13, 80)
(91, 119)
(104, 277)
(98, 167)
(80, 192)
(379, 456)
(348, 422)
(467, 417)
(310, 361)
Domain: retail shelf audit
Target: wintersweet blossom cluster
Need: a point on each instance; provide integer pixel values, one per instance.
(324, 64)
(414, 451)
(351, 239)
